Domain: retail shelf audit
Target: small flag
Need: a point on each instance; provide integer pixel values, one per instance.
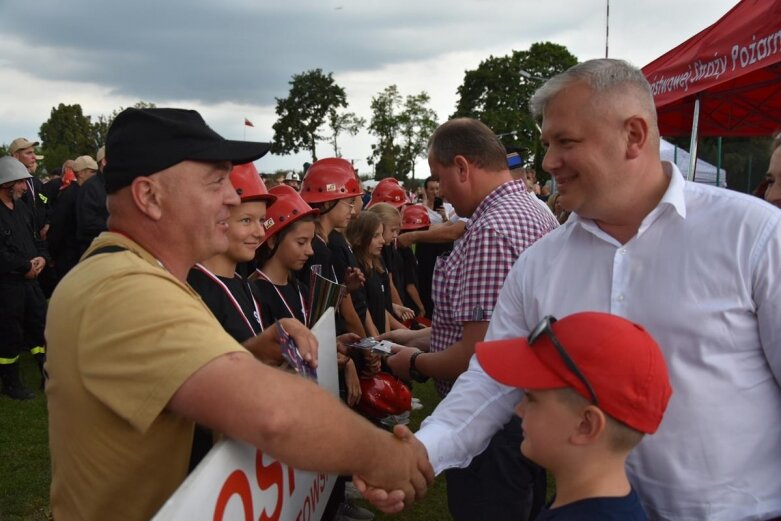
(248, 123)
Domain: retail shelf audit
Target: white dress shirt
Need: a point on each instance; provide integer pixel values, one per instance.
(703, 275)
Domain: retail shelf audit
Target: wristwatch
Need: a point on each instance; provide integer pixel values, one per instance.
(413, 371)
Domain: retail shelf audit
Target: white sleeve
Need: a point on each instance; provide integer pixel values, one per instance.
(767, 295)
(463, 424)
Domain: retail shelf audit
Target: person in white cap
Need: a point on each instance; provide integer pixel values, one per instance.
(22, 257)
(24, 150)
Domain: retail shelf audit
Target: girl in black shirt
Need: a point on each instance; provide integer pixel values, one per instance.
(331, 186)
(228, 295)
(391, 223)
(365, 236)
(290, 229)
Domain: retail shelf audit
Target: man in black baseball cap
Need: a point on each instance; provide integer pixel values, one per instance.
(137, 358)
(142, 142)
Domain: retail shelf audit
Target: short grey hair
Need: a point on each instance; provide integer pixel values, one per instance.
(602, 75)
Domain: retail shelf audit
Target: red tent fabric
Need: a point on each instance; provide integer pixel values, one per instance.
(733, 66)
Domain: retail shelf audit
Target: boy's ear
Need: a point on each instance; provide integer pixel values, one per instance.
(593, 423)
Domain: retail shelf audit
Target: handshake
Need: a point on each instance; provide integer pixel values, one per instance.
(397, 477)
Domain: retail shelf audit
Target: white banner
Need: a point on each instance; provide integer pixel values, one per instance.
(236, 481)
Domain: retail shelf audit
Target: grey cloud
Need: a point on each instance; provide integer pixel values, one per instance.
(245, 51)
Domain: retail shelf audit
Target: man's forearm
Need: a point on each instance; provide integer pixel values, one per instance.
(291, 419)
(439, 233)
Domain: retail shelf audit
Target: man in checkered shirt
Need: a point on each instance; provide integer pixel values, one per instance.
(504, 220)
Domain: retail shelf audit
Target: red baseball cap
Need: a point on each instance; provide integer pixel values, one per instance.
(620, 360)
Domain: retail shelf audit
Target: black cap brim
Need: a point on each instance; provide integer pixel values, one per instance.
(237, 152)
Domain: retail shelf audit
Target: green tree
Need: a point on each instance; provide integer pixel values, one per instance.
(498, 92)
(402, 127)
(300, 115)
(65, 135)
(416, 123)
(103, 122)
(384, 124)
(343, 122)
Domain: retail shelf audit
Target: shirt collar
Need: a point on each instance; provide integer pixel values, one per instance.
(498, 192)
(674, 196)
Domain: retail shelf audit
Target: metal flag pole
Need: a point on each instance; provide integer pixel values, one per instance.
(607, 27)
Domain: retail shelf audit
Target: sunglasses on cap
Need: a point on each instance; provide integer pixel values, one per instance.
(544, 327)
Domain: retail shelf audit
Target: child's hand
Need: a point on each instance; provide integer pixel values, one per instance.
(353, 384)
(403, 312)
(372, 363)
(354, 279)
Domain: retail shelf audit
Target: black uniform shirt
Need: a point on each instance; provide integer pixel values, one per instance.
(343, 258)
(392, 259)
(18, 240)
(279, 301)
(378, 298)
(222, 306)
(91, 211)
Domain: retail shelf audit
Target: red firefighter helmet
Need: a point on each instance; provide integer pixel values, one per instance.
(415, 217)
(389, 191)
(287, 209)
(249, 185)
(384, 395)
(329, 179)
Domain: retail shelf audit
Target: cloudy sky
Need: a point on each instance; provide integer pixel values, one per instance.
(230, 59)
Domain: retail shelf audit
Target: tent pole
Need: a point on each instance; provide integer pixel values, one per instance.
(693, 144)
(718, 164)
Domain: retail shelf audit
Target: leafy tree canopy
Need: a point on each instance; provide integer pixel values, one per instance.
(402, 127)
(313, 95)
(498, 92)
(66, 135)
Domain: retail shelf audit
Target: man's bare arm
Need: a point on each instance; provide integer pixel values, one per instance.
(278, 412)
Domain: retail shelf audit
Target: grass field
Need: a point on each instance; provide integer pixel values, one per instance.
(25, 469)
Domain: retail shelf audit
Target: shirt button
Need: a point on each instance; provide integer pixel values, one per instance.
(623, 251)
(621, 298)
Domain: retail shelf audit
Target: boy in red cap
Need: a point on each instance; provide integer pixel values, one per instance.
(594, 384)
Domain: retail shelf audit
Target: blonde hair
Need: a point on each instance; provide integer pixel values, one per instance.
(387, 213)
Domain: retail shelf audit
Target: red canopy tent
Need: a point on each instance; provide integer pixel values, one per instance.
(732, 70)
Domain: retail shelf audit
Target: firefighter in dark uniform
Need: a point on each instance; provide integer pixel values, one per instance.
(35, 198)
(22, 257)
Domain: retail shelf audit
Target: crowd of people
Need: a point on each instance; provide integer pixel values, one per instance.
(174, 266)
